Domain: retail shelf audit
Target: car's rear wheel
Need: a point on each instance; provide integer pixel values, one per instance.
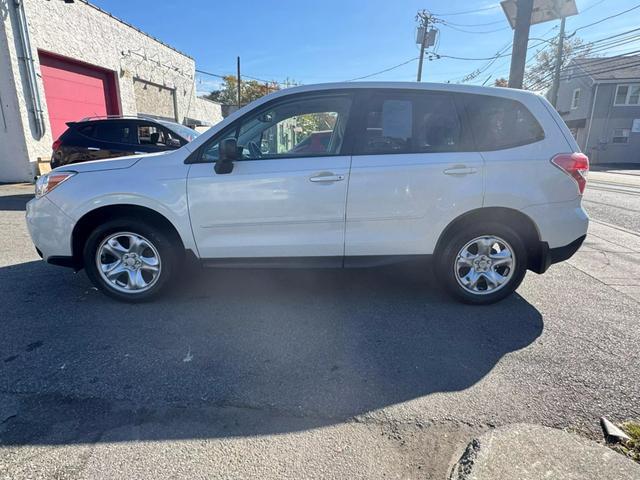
(482, 265)
(129, 260)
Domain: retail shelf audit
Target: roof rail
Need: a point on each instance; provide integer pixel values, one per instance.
(107, 117)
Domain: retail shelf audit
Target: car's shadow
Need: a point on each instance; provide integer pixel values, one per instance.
(308, 347)
(15, 202)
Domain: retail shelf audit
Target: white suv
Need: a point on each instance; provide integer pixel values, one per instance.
(488, 181)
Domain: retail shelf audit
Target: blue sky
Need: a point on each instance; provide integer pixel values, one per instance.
(336, 40)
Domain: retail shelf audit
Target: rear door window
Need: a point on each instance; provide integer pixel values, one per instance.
(500, 123)
(151, 135)
(116, 132)
(410, 122)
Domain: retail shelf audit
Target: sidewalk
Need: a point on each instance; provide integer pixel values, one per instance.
(532, 452)
(611, 254)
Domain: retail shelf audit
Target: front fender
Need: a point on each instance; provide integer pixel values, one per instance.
(165, 194)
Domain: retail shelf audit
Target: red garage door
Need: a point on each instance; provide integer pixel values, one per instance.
(75, 90)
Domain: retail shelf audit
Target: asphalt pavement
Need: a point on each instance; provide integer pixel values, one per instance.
(369, 373)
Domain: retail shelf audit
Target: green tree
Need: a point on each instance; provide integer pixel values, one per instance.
(539, 76)
(250, 90)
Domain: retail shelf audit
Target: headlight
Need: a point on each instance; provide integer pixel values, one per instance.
(49, 181)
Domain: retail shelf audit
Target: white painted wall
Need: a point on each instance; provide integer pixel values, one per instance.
(14, 126)
(82, 32)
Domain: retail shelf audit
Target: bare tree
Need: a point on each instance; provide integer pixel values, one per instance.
(539, 77)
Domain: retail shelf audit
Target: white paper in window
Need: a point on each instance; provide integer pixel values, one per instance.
(396, 119)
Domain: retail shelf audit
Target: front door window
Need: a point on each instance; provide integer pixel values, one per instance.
(305, 127)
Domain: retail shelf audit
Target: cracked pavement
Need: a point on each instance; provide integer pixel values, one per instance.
(308, 373)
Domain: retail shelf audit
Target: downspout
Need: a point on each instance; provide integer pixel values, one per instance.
(593, 107)
(27, 58)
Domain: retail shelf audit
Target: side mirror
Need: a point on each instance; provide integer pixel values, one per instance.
(173, 143)
(227, 153)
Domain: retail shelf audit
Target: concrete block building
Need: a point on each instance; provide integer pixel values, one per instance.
(62, 61)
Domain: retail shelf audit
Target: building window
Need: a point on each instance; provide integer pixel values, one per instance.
(620, 135)
(627, 95)
(574, 133)
(575, 99)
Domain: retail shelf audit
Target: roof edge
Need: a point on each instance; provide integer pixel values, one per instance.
(87, 2)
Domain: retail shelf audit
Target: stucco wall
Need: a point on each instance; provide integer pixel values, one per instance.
(606, 118)
(84, 33)
(206, 110)
(13, 146)
(565, 95)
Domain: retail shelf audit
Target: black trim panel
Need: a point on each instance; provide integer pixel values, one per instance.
(357, 261)
(561, 254)
(63, 261)
(549, 256)
(365, 261)
(273, 262)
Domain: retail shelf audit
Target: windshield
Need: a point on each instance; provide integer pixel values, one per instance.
(185, 132)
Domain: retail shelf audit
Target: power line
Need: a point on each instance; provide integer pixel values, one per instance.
(383, 71)
(438, 55)
(596, 46)
(466, 12)
(601, 66)
(476, 24)
(209, 73)
(217, 75)
(441, 55)
(448, 25)
(604, 19)
(506, 47)
(592, 6)
(634, 62)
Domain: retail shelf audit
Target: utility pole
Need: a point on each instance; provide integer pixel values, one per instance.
(424, 17)
(238, 80)
(556, 72)
(520, 42)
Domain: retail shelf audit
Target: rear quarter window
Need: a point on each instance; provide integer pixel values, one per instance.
(500, 123)
(87, 130)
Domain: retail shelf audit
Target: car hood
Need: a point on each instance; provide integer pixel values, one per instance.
(107, 164)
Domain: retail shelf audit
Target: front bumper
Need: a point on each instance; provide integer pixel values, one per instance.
(50, 229)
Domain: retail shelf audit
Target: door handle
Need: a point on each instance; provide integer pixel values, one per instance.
(460, 170)
(93, 149)
(326, 177)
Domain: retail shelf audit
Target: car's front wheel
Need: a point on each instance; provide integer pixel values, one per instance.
(482, 265)
(129, 260)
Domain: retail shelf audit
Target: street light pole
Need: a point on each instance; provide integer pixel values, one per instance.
(520, 42)
(558, 66)
(238, 81)
(424, 24)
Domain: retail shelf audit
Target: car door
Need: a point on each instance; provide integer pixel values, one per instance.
(413, 171)
(277, 201)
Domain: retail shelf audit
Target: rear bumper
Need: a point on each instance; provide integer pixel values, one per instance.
(549, 256)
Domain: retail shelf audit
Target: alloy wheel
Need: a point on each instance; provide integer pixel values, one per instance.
(128, 262)
(484, 265)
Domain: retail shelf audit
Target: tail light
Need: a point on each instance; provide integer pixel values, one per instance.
(56, 145)
(576, 165)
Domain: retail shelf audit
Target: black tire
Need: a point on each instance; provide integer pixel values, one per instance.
(154, 235)
(446, 258)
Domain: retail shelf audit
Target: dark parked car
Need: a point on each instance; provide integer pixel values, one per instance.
(107, 137)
